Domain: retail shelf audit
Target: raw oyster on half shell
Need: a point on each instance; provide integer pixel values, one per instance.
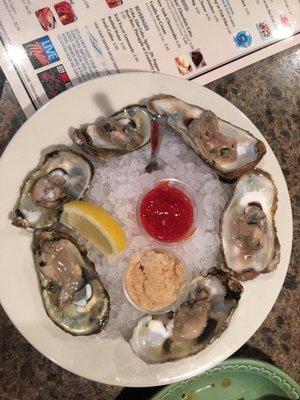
(229, 150)
(73, 295)
(64, 176)
(199, 320)
(248, 234)
(123, 132)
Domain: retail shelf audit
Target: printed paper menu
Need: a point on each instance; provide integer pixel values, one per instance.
(54, 45)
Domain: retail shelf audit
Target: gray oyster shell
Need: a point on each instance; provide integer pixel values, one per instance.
(199, 320)
(248, 235)
(229, 150)
(120, 133)
(85, 308)
(63, 176)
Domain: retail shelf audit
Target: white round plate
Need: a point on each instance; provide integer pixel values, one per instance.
(112, 361)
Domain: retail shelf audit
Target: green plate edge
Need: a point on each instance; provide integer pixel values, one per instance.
(269, 371)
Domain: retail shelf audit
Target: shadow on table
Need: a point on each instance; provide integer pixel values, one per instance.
(138, 393)
(253, 352)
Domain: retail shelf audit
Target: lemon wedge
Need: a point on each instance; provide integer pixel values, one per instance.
(95, 224)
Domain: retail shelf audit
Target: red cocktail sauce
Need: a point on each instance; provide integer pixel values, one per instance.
(166, 214)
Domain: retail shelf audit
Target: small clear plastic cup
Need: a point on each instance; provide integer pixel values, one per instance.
(181, 294)
(190, 194)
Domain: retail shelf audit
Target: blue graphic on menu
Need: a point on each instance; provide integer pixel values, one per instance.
(49, 49)
(243, 39)
(41, 52)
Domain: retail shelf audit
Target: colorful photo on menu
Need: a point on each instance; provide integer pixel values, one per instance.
(54, 80)
(114, 3)
(197, 58)
(285, 21)
(264, 30)
(41, 52)
(183, 64)
(65, 12)
(46, 18)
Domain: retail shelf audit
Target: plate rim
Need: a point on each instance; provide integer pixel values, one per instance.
(129, 75)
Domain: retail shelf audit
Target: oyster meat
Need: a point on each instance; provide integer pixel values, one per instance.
(64, 176)
(248, 235)
(228, 149)
(73, 295)
(124, 131)
(199, 320)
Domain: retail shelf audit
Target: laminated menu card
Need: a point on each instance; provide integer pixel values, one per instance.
(47, 47)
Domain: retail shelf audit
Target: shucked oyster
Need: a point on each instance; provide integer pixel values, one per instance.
(63, 176)
(120, 133)
(200, 319)
(228, 149)
(73, 295)
(248, 235)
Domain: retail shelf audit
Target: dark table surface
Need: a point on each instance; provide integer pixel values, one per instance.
(268, 92)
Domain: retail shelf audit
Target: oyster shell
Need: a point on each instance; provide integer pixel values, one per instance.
(248, 235)
(73, 295)
(200, 319)
(228, 149)
(124, 131)
(64, 175)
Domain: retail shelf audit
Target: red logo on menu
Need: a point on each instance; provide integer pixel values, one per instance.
(37, 51)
